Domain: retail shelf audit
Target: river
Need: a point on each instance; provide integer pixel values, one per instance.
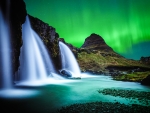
(57, 93)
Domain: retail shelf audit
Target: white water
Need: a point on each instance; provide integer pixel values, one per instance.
(35, 63)
(5, 55)
(7, 89)
(68, 60)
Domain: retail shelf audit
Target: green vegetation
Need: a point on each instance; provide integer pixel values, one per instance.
(100, 60)
(134, 77)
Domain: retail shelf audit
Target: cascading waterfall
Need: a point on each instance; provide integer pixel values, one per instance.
(68, 60)
(35, 63)
(5, 55)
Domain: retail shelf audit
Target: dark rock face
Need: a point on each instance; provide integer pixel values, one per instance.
(146, 81)
(14, 12)
(96, 42)
(145, 60)
(71, 47)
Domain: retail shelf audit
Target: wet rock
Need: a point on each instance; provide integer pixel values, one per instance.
(65, 73)
(94, 72)
(103, 107)
(142, 96)
(146, 81)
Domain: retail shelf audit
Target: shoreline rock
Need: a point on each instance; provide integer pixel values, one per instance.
(103, 107)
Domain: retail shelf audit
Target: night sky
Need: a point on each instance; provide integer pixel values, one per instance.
(124, 24)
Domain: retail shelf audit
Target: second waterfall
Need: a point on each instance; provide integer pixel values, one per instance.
(35, 62)
(68, 61)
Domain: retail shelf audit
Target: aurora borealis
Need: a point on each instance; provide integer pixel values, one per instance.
(124, 24)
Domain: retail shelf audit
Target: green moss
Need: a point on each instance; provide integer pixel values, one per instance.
(135, 76)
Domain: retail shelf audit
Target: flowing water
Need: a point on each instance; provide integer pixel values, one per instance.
(68, 60)
(35, 63)
(5, 55)
(36, 66)
(60, 93)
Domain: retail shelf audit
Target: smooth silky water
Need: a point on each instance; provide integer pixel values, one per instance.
(65, 92)
(68, 60)
(7, 88)
(5, 55)
(36, 68)
(35, 62)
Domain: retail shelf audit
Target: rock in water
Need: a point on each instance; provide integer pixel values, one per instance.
(65, 73)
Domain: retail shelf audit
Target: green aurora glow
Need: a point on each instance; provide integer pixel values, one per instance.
(122, 23)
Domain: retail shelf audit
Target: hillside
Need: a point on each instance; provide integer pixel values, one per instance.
(96, 57)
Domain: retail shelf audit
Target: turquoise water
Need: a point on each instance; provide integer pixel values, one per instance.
(58, 93)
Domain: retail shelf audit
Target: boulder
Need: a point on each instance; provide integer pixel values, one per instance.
(65, 73)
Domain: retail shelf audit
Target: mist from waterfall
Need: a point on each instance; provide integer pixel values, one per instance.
(68, 60)
(35, 62)
(5, 55)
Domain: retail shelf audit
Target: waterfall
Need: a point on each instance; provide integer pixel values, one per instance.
(35, 62)
(5, 55)
(68, 60)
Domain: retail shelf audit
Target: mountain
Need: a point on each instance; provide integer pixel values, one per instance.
(97, 57)
(96, 42)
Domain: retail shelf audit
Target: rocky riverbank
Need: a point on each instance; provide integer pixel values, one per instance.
(104, 107)
(131, 76)
(142, 96)
(113, 107)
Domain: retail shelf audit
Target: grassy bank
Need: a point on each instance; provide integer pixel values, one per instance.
(133, 77)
